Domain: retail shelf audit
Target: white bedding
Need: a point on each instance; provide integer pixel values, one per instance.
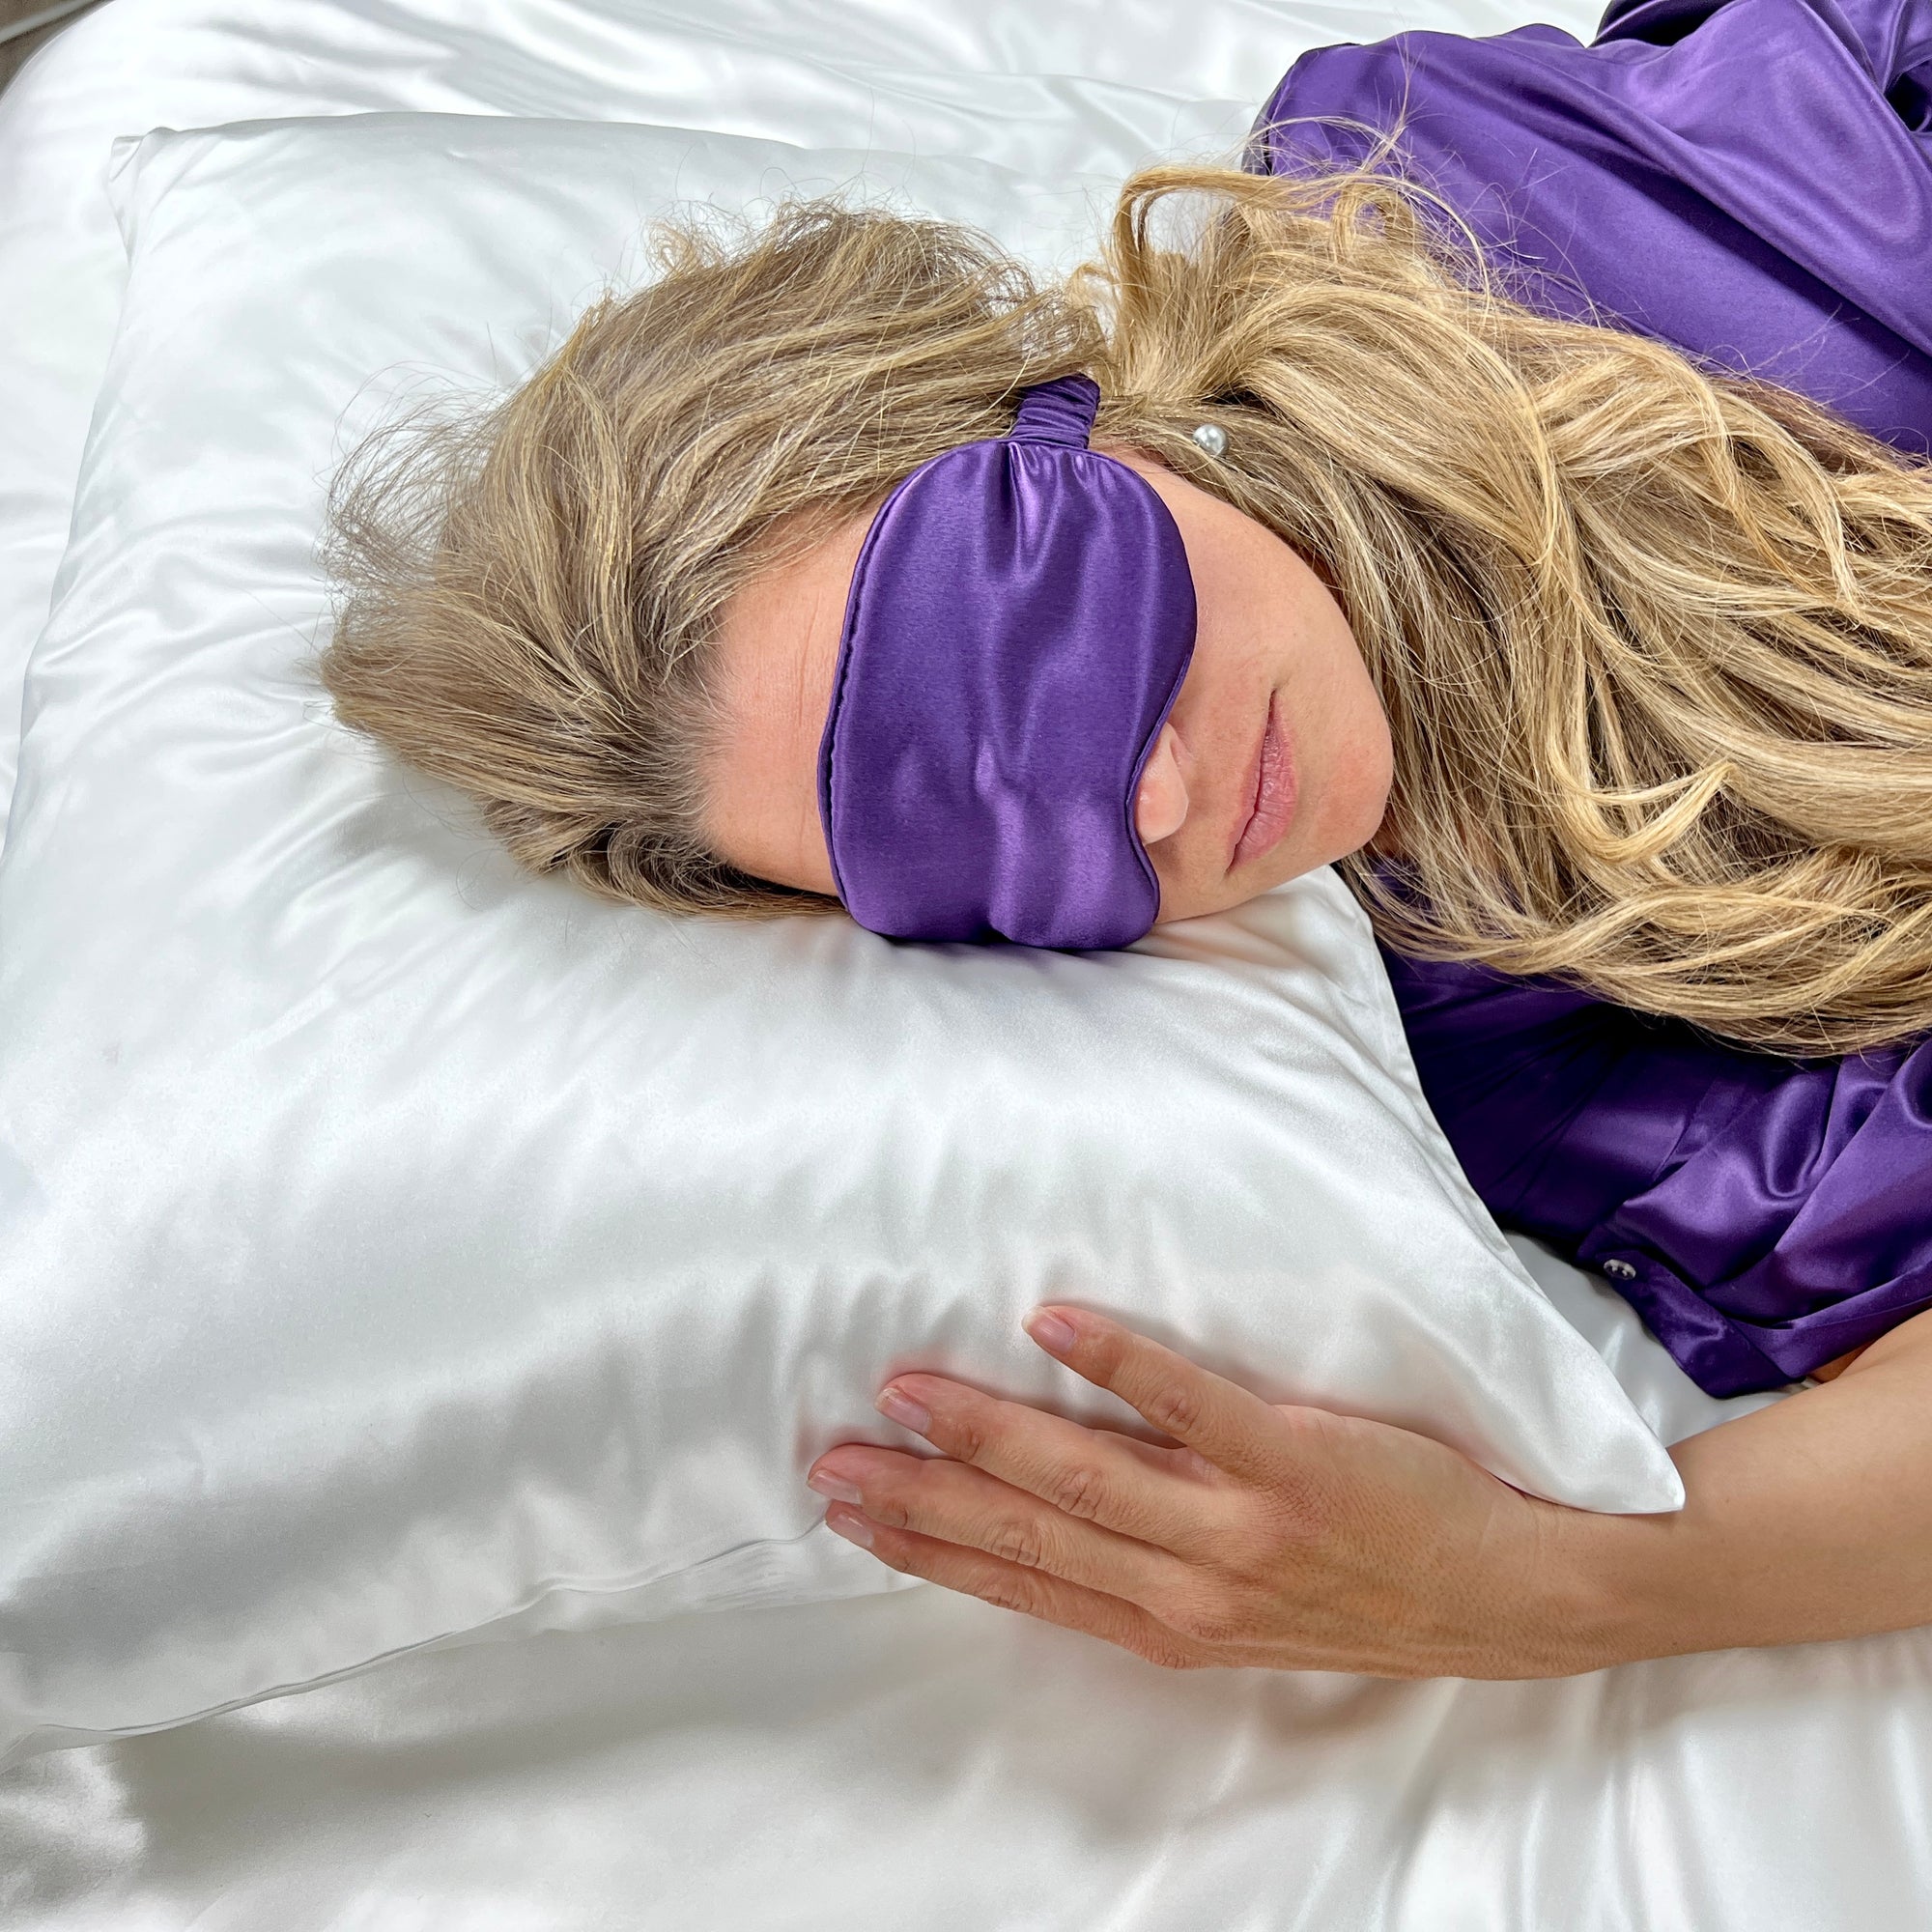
(909, 1759)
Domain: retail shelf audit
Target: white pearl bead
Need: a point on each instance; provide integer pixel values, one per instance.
(1212, 438)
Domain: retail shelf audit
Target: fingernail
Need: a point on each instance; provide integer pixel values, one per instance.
(900, 1406)
(852, 1526)
(1053, 1332)
(829, 1485)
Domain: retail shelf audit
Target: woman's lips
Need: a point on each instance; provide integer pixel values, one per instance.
(1274, 793)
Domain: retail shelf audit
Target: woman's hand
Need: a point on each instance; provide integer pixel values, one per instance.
(1274, 1535)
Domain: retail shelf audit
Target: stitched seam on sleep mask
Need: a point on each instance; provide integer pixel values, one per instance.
(828, 738)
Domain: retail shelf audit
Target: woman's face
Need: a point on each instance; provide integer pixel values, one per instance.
(1274, 760)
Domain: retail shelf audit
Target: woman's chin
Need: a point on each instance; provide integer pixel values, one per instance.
(1206, 905)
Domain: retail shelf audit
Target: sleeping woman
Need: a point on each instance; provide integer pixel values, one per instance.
(1511, 489)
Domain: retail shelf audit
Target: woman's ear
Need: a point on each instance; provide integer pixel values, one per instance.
(1160, 803)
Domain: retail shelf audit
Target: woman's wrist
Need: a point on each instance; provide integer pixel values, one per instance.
(1802, 1522)
(1603, 1591)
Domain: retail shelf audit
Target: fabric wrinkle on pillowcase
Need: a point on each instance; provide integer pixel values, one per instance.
(404, 1250)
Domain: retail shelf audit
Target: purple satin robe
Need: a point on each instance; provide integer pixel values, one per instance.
(1750, 181)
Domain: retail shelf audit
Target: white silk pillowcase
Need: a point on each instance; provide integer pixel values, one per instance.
(401, 1249)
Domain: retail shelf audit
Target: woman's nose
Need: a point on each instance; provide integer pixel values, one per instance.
(1160, 805)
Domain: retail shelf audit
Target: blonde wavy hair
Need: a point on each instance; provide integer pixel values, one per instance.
(1655, 643)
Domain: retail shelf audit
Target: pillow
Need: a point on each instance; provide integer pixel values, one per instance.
(402, 1249)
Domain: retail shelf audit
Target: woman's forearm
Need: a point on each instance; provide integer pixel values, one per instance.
(1809, 1519)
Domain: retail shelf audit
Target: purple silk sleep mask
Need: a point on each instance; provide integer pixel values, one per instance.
(1020, 620)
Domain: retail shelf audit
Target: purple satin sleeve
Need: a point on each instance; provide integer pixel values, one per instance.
(1764, 1215)
(1750, 181)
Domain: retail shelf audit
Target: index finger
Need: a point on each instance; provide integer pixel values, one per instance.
(1219, 1420)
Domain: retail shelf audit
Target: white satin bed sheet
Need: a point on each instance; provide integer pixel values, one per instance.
(907, 1759)
(920, 1761)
